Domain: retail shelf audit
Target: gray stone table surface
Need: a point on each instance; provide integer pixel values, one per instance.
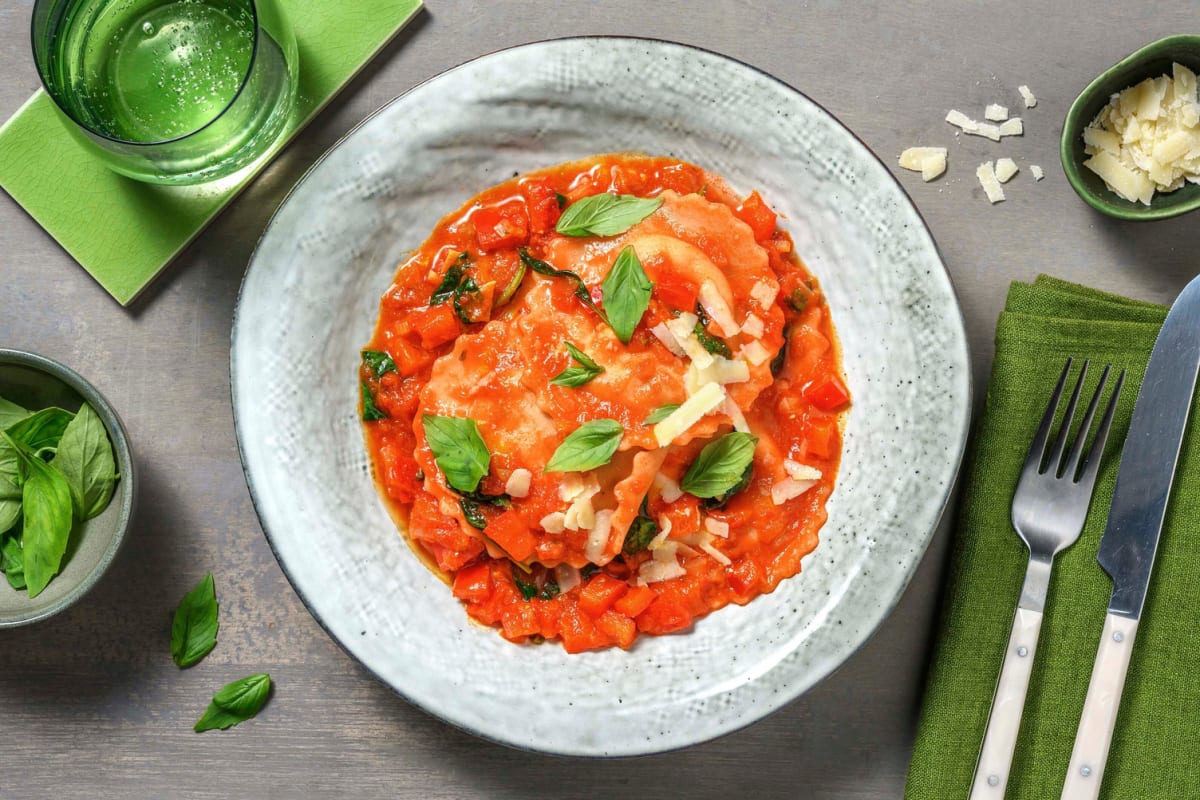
(91, 705)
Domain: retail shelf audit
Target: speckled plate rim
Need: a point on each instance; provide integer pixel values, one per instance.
(120, 440)
(795, 690)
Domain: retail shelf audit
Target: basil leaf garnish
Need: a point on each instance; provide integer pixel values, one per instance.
(549, 590)
(798, 299)
(370, 412)
(466, 287)
(10, 413)
(46, 518)
(10, 486)
(720, 466)
(450, 281)
(780, 357)
(472, 512)
(235, 702)
(641, 532)
(626, 291)
(605, 214)
(561, 199)
(720, 501)
(379, 362)
(590, 445)
(194, 627)
(12, 562)
(542, 268)
(659, 414)
(576, 376)
(41, 429)
(709, 342)
(458, 449)
(85, 458)
(527, 588)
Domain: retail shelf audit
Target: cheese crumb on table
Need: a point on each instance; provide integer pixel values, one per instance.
(1037, 172)
(986, 174)
(1027, 96)
(1012, 127)
(995, 112)
(1005, 169)
(1147, 139)
(929, 161)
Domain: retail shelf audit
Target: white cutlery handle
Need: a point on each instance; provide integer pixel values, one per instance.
(995, 759)
(1086, 770)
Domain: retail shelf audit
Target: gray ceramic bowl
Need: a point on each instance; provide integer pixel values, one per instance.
(36, 382)
(311, 297)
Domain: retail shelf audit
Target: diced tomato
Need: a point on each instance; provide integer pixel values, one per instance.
(635, 601)
(519, 620)
(599, 593)
(543, 206)
(676, 293)
(548, 612)
(684, 514)
(819, 438)
(578, 632)
(442, 536)
(744, 575)
(665, 615)
(435, 324)
(473, 583)
(618, 627)
(501, 227)
(399, 471)
(410, 359)
(828, 393)
(512, 533)
(755, 213)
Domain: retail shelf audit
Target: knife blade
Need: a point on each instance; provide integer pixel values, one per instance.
(1135, 522)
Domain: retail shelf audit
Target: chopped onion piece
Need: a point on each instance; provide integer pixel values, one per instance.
(517, 484)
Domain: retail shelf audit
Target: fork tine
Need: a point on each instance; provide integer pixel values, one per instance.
(1054, 463)
(1037, 448)
(1071, 470)
(1096, 454)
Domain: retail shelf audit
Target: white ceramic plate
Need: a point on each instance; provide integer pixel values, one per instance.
(310, 299)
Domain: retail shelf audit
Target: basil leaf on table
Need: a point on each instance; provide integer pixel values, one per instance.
(235, 702)
(370, 411)
(581, 289)
(10, 413)
(626, 291)
(576, 376)
(659, 414)
(85, 459)
(41, 429)
(720, 466)
(194, 626)
(458, 449)
(379, 362)
(590, 445)
(12, 562)
(605, 214)
(46, 518)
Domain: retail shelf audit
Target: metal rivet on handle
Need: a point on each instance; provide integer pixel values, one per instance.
(1118, 636)
(1085, 770)
(1022, 651)
(993, 780)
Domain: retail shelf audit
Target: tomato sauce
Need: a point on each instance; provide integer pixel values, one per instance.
(490, 349)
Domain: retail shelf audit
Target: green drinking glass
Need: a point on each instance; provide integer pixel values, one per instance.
(169, 91)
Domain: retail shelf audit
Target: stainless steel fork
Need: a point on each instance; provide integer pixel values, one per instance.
(1048, 512)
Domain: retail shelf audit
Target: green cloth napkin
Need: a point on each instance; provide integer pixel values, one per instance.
(124, 232)
(1156, 747)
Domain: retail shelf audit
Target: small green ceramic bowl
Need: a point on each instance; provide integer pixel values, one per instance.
(1151, 61)
(35, 382)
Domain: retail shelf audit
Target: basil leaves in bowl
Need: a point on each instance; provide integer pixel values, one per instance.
(67, 487)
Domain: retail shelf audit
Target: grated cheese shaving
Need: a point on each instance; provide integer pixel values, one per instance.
(598, 538)
(708, 397)
(1037, 172)
(801, 472)
(786, 489)
(716, 527)
(667, 487)
(717, 309)
(734, 412)
(1012, 127)
(764, 293)
(554, 522)
(664, 530)
(1005, 169)
(1027, 96)
(664, 335)
(995, 112)
(754, 352)
(929, 161)
(753, 326)
(708, 547)
(567, 577)
(517, 484)
(986, 174)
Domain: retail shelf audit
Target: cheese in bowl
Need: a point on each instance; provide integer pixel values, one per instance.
(604, 399)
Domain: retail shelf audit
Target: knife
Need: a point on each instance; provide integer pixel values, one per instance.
(1135, 521)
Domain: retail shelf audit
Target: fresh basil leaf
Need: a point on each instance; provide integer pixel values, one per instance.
(605, 214)
(40, 429)
(458, 449)
(659, 414)
(778, 361)
(798, 299)
(561, 199)
(85, 458)
(527, 588)
(468, 286)
(379, 362)
(576, 376)
(641, 532)
(10, 413)
(720, 466)
(10, 486)
(473, 513)
(370, 411)
(711, 343)
(581, 289)
(626, 291)
(194, 627)
(549, 590)
(720, 501)
(514, 283)
(590, 445)
(588, 570)
(46, 518)
(450, 281)
(235, 702)
(12, 562)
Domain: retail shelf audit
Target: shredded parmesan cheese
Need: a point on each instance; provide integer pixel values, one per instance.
(929, 161)
(986, 174)
(1005, 169)
(709, 396)
(664, 335)
(717, 309)
(668, 489)
(517, 484)
(734, 412)
(716, 527)
(786, 489)
(662, 567)
(664, 530)
(554, 522)
(764, 293)
(1027, 96)
(801, 472)
(708, 547)
(1037, 172)
(598, 538)
(1012, 127)
(753, 326)
(995, 112)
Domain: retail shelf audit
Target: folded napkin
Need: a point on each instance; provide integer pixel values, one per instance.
(1156, 747)
(124, 232)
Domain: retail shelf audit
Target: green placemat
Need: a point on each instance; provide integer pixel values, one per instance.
(124, 232)
(1156, 749)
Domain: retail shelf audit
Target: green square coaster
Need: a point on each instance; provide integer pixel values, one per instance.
(124, 232)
